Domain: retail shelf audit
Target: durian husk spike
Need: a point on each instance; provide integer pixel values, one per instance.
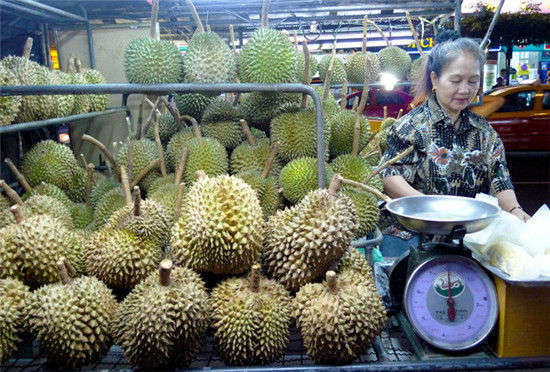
(307, 63)
(62, 271)
(195, 15)
(17, 214)
(160, 149)
(385, 112)
(181, 166)
(152, 165)
(371, 22)
(364, 43)
(137, 201)
(125, 185)
(27, 48)
(70, 269)
(200, 174)
(89, 184)
(344, 100)
(173, 110)
(12, 195)
(414, 33)
(270, 160)
(151, 117)
(194, 124)
(101, 147)
(265, 13)
(254, 278)
(83, 161)
(328, 76)
(334, 186)
(232, 38)
(393, 160)
(179, 200)
(248, 134)
(18, 175)
(154, 20)
(399, 114)
(165, 269)
(372, 190)
(330, 276)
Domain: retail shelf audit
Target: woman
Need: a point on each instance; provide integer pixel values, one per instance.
(456, 152)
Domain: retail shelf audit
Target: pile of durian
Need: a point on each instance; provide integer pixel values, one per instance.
(16, 70)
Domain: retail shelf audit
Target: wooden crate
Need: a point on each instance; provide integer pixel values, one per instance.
(524, 320)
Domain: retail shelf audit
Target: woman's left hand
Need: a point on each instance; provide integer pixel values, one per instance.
(519, 213)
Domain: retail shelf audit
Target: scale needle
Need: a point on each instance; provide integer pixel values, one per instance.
(450, 301)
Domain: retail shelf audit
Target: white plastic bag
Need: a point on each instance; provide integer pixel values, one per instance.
(513, 260)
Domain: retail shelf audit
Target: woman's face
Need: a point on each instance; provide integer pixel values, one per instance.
(458, 84)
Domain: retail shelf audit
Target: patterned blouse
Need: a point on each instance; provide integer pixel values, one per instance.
(445, 160)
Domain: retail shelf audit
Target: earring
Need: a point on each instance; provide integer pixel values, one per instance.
(433, 89)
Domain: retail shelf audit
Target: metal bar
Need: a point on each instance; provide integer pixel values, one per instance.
(33, 12)
(45, 46)
(411, 336)
(185, 88)
(43, 123)
(53, 10)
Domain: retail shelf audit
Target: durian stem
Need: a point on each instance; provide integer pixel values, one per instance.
(89, 184)
(370, 22)
(139, 128)
(328, 76)
(399, 114)
(364, 44)
(154, 20)
(393, 160)
(179, 200)
(270, 160)
(372, 190)
(385, 112)
(265, 13)
(16, 210)
(83, 161)
(125, 185)
(254, 278)
(12, 195)
(130, 173)
(248, 134)
(27, 48)
(70, 269)
(200, 174)
(195, 15)
(279, 197)
(355, 105)
(334, 186)
(18, 175)
(181, 166)
(165, 269)
(356, 136)
(344, 99)
(160, 148)
(151, 116)
(208, 28)
(101, 147)
(152, 165)
(331, 281)
(296, 38)
(307, 63)
(232, 38)
(78, 65)
(196, 128)
(414, 33)
(137, 201)
(62, 271)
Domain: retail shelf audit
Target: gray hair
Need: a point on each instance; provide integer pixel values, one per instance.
(441, 56)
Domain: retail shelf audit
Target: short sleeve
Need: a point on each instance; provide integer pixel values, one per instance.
(401, 136)
(499, 176)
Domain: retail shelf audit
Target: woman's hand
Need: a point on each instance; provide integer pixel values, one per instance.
(519, 213)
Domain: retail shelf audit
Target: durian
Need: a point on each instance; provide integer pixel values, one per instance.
(13, 297)
(98, 102)
(167, 128)
(192, 104)
(342, 130)
(299, 177)
(9, 105)
(109, 203)
(338, 69)
(258, 108)
(395, 60)
(356, 65)
(50, 190)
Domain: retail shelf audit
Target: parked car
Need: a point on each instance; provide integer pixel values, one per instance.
(521, 116)
(378, 98)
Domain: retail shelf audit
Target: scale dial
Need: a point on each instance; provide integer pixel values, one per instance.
(456, 316)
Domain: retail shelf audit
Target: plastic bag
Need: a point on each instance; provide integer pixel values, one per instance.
(513, 260)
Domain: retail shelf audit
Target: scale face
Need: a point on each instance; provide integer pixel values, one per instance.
(451, 302)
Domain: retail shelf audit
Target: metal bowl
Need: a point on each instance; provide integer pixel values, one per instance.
(439, 214)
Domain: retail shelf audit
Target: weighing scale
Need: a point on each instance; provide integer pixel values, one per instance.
(448, 298)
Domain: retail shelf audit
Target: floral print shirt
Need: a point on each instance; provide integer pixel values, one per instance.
(445, 160)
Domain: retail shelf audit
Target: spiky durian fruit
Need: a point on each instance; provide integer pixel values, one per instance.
(120, 258)
(248, 156)
(338, 319)
(303, 241)
(166, 195)
(328, 102)
(251, 319)
(39, 205)
(356, 64)
(160, 182)
(356, 169)
(220, 229)
(228, 133)
(192, 104)
(9, 105)
(415, 73)
(296, 133)
(208, 59)
(167, 128)
(367, 210)
(81, 101)
(82, 215)
(72, 320)
(146, 219)
(76, 187)
(206, 154)
(98, 102)
(30, 248)
(338, 69)
(176, 145)
(384, 126)
(50, 190)
(149, 61)
(64, 104)
(4, 202)
(109, 203)
(394, 60)
(220, 110)
(342, 126)
(49, 162)
(144, 152)
(13, 296)
(258, 108)
(299, 66)
(355, 261)
(299, 177)
(101, 188)
(162, 322)
(267, 57)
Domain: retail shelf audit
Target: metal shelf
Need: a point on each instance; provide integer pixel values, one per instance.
(18, 127)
